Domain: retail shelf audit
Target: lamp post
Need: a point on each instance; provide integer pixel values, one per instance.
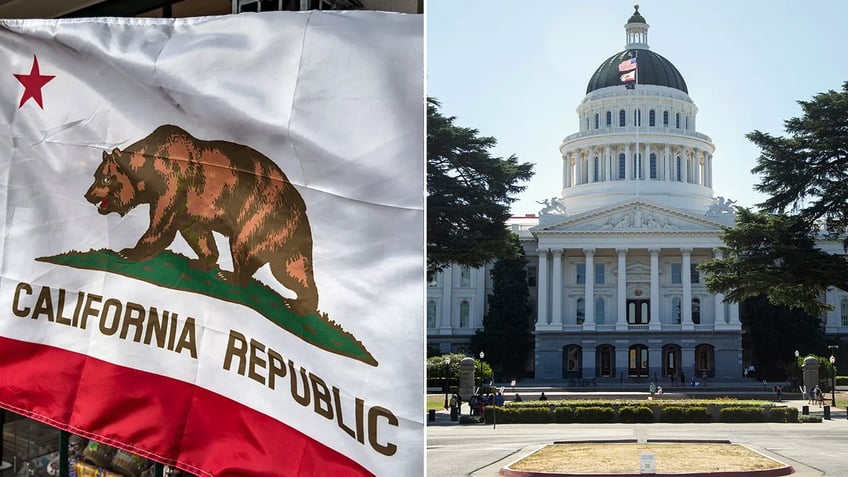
(447, 369)
(832, 375)
(482, 355)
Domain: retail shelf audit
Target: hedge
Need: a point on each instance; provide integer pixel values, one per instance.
(685, 414)
(564, 415)
(783, 414)
(632, 414)
(594, 414)
(741, 414)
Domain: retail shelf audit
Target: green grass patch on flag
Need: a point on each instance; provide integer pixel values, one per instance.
(172, 270)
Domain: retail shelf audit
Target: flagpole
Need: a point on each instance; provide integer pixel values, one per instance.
(638, 124)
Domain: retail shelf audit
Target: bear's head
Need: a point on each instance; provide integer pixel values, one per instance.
(112, 190)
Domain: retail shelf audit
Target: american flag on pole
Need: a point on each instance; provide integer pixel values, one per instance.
(627, 65)
(212, 247)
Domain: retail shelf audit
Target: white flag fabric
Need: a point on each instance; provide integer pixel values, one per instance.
(212, 251)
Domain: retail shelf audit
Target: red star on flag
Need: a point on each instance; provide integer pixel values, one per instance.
(33, 82)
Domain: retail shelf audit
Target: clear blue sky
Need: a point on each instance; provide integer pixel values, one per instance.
(517, 70)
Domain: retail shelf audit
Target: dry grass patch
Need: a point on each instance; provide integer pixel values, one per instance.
(624, 458)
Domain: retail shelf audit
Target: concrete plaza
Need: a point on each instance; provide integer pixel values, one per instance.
(480, 450)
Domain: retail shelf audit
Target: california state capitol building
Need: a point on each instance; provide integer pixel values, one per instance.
(612, 256)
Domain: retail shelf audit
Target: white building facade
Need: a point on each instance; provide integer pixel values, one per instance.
(613, 257)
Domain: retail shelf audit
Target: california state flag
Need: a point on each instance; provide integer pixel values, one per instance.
(212, 248)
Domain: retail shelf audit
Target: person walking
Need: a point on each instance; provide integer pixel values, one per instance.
(652, 389)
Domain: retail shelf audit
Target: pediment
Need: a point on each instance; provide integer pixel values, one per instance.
(634, 217)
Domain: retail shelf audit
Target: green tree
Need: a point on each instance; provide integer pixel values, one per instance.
(468, 193)
(506, 337)
(775, 255)
(775, 332)
(805, 175)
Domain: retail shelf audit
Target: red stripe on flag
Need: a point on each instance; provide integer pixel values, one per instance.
(158, 417)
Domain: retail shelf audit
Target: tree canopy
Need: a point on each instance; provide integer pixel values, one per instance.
(774, 251)
(468, 193)
(506, 337)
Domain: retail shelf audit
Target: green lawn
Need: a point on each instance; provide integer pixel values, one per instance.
(435, 402)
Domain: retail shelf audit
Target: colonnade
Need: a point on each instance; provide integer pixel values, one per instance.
(600, 164)
(553, 292)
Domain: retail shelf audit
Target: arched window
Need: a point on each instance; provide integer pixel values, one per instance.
(622, 118)
(665, 118)
(653, 166)
(581, 311)
(596, 175)
(609, 118)
(677, 120)
(464, 312)
(687, 123)
(652, 118)
(599, 310)
(696, 311)
(621, 160)
(844, 312)
(678, 167)
(431, 314)
(675, 310)
(597, 120)
(572, 361)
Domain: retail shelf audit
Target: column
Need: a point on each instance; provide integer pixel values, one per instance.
(607, 163)
(566, 171)
(684, 166)
(667, 162)
(719, 297)
(655, 323)
(646, 162)
(589, 296)
(590, 161)
(686, 280)
(696, 163)
(627, 161)
(833, 316)
(734, 316)
(621, 292)
(447, 292)
(479, 283)
(542, 280)
(556, 304)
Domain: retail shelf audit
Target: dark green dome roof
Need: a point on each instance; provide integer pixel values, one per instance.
(653, 69)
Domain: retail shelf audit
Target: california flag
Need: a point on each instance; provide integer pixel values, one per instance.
(212, 248)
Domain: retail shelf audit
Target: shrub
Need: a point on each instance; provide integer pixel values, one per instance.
(686, 414)
(631, 414)
(809, 418)
(783, 414)
(741, 414)
(506, 415)
(593, 414)
(564, 415)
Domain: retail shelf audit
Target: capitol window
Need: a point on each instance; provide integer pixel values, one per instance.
(597, 120)
(652, 118)
(431, 314)
(844, 312)
(622, 118)
(599, 310)
(675, 273)
(677, 120)
(464, 312)
(581, 311)
(621, 160)
(653, 166)
(696, 311)
(609, 118)
(665, 118)
(581, 274)
(465, 277)
(675, 310)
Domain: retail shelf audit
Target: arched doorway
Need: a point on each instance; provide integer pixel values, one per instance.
(572, 362)
(605, 361)
(705, 360)
(671, 360)
(637, 366)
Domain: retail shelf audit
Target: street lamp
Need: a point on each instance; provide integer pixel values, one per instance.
(447, 369)
(832, 375)
(482, 355)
